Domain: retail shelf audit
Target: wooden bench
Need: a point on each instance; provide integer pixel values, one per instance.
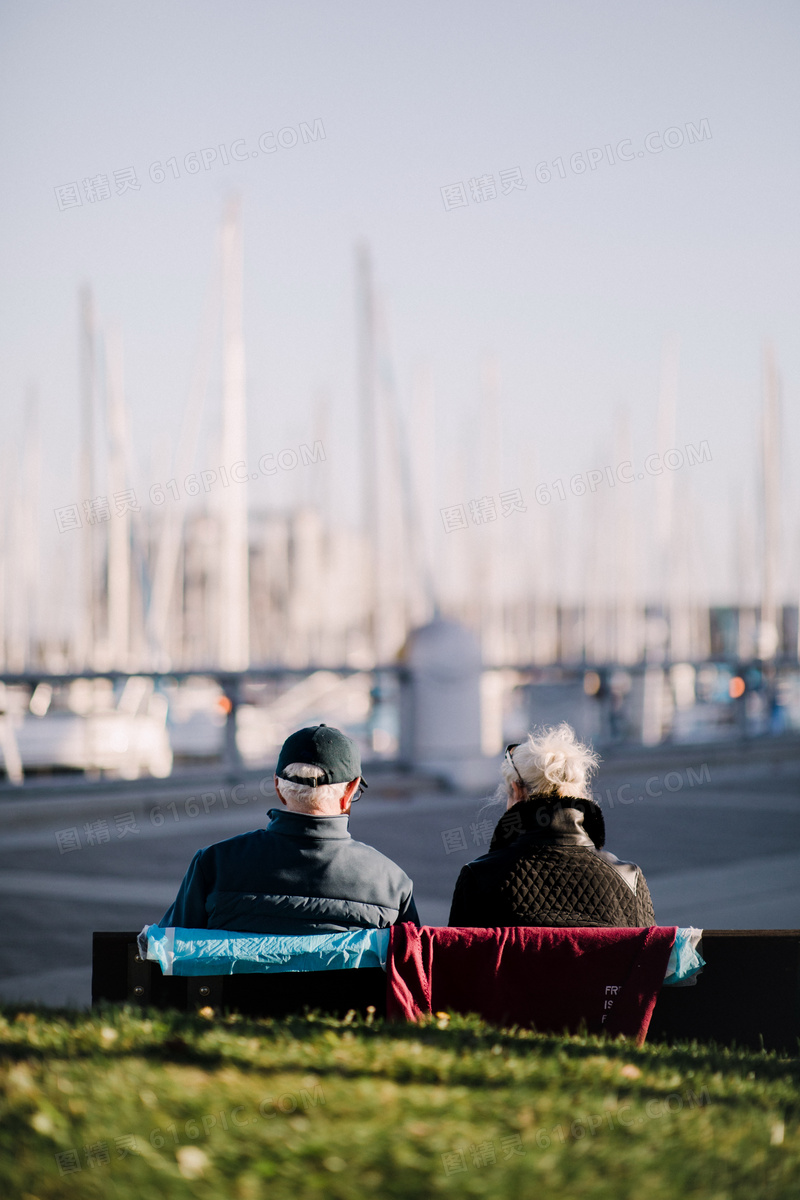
(748, 994)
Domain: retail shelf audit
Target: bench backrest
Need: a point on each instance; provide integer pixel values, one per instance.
(748, 994)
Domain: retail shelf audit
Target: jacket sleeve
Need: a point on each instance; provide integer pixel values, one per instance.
(644, 902)
(189, 908)
(466, 909)
(408, 914)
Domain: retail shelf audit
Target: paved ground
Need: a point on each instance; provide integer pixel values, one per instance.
(717, 834)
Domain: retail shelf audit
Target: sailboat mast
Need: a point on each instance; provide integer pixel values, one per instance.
(30, 531)
(370, 517)
(667, 533)
(770, 477)
(119, 529)
(87, 602)
(234, 615)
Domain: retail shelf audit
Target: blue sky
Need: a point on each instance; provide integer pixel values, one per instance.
(573, 283)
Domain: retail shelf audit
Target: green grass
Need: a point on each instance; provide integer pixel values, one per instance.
(324, 1108)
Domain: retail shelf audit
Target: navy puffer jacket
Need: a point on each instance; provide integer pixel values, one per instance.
(301, 874)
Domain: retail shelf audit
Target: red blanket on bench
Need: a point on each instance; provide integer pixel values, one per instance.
(553, 980)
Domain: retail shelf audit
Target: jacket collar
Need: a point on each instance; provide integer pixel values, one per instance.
(300, 825)
(563, 820)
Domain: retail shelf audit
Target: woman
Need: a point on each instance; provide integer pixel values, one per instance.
(546, 864)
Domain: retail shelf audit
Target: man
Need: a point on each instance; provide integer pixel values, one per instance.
(303, 873)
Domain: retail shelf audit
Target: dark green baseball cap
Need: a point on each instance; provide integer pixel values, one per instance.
(321, 746)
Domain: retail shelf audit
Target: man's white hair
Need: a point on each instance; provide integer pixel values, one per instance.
(321, 800)
(551, 762)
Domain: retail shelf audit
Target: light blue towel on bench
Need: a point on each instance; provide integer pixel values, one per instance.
(219, 952)
(684, 961)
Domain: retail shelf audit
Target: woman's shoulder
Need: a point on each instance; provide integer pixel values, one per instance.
(627, 871)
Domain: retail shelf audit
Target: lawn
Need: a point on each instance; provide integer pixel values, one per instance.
(127, 1106)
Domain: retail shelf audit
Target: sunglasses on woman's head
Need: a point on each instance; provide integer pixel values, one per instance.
(509, 755)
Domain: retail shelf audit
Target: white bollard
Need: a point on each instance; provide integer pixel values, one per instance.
(442, 704)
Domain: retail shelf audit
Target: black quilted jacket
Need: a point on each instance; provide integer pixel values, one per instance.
(546, 866)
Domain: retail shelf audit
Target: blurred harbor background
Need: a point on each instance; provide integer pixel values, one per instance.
(200, 628)
(336, 360)
(431, 372)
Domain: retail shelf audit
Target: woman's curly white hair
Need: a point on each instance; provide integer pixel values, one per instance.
(552, 762)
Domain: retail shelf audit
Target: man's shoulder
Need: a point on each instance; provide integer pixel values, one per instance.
(376, 859)
(239, 842)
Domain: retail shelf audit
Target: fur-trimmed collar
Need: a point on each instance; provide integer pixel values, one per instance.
(569, 819)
